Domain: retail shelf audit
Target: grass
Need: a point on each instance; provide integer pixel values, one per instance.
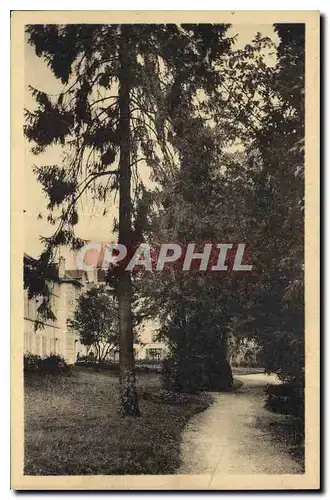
(289, 430)
(242, 370)
(72, 426)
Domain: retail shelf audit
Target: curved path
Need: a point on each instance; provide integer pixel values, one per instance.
(232, 435)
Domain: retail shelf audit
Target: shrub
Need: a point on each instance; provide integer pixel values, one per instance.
(31, 363)
(145, 367)
(286, 398)
(180, 376)
(196, 373)
(47, 365)
(84, 360)
(148, 362)
(54, 364)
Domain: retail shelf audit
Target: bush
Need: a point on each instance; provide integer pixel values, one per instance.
(286, 398)
(47, 365)
(193, 374)
(31, 363)
(144, 367)
(148, 362)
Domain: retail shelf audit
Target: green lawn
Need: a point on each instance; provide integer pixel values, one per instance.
(72, 426)
(242, 370)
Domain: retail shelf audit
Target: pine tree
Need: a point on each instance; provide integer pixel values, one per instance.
(124, 89)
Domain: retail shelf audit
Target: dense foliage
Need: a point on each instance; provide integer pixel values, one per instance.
(221, 131)
(125, 90)
(53, 364)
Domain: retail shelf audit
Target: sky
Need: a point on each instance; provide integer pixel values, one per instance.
(92, 224)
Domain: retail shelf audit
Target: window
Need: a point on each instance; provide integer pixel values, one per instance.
(26, 305)
(54, 345)
(28, 338)
(75, 349)
(71, 297)
(38, 345)
(44, 345)
(32, 308)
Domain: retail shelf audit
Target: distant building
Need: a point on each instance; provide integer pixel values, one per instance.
(150, 347)
(55, 336)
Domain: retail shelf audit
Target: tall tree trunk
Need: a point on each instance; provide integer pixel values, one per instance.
(128, 392)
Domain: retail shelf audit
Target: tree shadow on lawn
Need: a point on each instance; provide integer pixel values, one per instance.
(72, 426)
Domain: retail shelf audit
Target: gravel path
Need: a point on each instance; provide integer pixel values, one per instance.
(232, 436)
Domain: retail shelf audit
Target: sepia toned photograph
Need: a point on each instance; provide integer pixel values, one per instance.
(164, 244)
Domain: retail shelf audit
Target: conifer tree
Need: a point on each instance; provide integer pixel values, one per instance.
(125, 87)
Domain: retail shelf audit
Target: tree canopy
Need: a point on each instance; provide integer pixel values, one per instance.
(95, 320)
(221, 131)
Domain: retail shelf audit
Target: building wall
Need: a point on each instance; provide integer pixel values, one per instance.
(149, 347)
(68, 297)
(53, 337)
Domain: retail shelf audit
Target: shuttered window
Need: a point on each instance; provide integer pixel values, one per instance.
(44, 345)
(38, 345)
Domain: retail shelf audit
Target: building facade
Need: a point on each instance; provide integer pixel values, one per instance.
(150, 347)
(54, 337)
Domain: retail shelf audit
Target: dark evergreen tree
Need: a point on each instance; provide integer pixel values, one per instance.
(124, 89)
